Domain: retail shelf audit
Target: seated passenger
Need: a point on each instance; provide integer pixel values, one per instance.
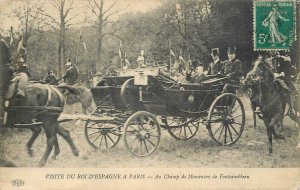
(216, 66)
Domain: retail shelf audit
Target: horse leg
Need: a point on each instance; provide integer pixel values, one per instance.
(50, 134)
(254, 120)
(277, 120)
(66, 135)
(35, 133)
(269, 134)
(56, 148)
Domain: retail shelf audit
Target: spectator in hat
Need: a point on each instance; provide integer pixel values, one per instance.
(216, 66)
(232, 68)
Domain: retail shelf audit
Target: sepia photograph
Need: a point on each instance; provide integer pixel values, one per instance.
(126, 94)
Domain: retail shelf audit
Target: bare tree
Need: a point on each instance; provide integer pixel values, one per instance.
(101, 16)
(59, 25)
(26, 13)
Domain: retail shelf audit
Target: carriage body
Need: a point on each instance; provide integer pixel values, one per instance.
(159, 95)
(144, 100)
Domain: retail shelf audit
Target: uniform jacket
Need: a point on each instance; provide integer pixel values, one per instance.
(214, 68)
(232, 68)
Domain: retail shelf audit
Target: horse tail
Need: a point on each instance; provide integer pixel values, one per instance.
(71, 89)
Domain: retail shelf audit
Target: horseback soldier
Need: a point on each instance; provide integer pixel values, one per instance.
(216, 66)
(71, 75)
(232, 68)
(282, 74)
(23, 75)
(50, 78)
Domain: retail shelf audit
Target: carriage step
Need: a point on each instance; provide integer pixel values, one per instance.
(27, 124)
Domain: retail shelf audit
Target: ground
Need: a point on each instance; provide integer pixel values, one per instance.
(200, 151)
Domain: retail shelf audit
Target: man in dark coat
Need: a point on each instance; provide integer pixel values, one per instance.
(50, 78)
(232, 68)
(71, 75)
(216, 66)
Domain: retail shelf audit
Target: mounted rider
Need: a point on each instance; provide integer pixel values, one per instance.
(232, 68)
(282, 74)
(22, 73)
(71, 75)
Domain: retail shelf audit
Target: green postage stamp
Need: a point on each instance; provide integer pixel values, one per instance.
(274, 24)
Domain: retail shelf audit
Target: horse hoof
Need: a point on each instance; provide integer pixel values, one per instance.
(76, 153)
(42, 164)
(30, 153)
(54, 157)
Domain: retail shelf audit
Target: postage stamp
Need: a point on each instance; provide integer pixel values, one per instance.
(274, 24)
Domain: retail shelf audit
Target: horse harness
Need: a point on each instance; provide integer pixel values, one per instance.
(51, 110)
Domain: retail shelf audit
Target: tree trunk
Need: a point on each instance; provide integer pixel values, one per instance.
(59, 59)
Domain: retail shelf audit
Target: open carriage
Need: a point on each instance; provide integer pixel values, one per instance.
(138, 103)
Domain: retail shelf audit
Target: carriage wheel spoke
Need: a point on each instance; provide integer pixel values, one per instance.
(146, 146)
(230, 134)
(190, 130)
(220, 126)
(221, 133)
(151, 142)
(237, 115)
(133, 140)
(225, 135)
(110, 139)
(234, 129)
(141, 147)
(105, 139)
(94, 133)
(100, 141)
(237, 123)
(184, 129)
(180, 130)
(135, 145)
(96, 138)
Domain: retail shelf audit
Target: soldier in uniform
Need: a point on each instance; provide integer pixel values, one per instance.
(50, 78)
(22, 72)
(71, 75)
(141, 60)
(282, 73)
(232, 68)
(216, 66)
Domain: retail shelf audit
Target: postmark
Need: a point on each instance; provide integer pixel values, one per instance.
(274, 24)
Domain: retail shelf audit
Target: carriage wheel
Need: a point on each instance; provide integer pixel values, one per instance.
(182, 128)
(226, 119)
(142, 133)
(102, 135)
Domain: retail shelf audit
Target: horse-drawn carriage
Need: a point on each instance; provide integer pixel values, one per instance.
(138, 103)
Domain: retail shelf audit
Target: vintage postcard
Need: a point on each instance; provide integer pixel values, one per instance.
(144, 94)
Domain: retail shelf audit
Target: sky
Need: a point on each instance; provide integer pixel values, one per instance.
(7, 7)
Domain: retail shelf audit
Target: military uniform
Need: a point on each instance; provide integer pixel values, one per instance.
(22, 75)
(50, 78)
(233, 70)
(214, 67)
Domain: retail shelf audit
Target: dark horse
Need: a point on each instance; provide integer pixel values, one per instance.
(266, 94)
(41, 107)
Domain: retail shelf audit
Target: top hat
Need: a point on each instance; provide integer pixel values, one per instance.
(231, 50)
(215, 51)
